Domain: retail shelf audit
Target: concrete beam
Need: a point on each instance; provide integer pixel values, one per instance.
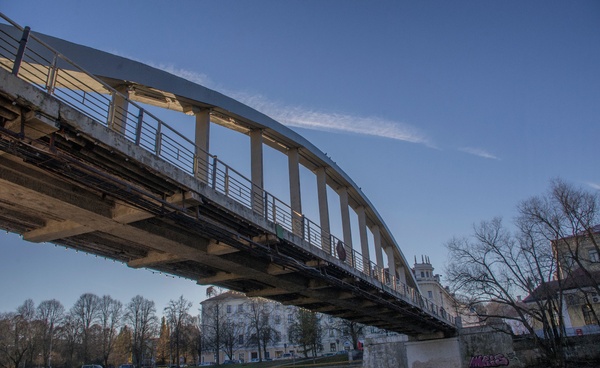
(154, 258)
(219, 249)
(302, 301)
(219, 277)
(267, 292)
(275, 269)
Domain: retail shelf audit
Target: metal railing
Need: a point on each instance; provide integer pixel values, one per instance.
(32, 60)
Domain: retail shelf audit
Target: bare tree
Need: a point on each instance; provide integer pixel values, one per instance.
(496, 266)
(230, 331)
(15, 339)
(258, 311)
(86, 311)
(141, 316)
(306, 331)
(110, 313)
(549, 252)
(568, 218)
(50, 314)
(68, 334)
(351, 329)
(178, 316)
(213, 321)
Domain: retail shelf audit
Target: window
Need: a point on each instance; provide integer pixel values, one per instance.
(241, 339)
(240, 308)
(587, 315)
(422, 274)
(331, 332)
(593, 253)
(277, 319)
(430, 294)
(228, 308)
(332, 346)
(290, 318)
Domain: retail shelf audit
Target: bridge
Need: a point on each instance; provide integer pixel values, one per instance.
(85, 164)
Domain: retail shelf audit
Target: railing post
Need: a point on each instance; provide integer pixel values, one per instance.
(51, 82)
(138, 128)
(266, 205)
(21, 51)
(214, 173)
(158, 140)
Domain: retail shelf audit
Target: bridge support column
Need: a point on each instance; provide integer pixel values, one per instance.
(323, 209)
(364, 241)
(256, 168)
(118, 113)
(202, 140)
(295, 197)
(378, 253)
(401, 274)
(346, 228)
(391, 262)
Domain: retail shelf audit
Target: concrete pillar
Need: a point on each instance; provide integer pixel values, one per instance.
(364, 240)
(401, 273)
(256, 170)
(323, 209)
(118, 118)
(377, 244)
(345, 209)
(346, 228)
(295, 198)
(202, 141)
(391, 263)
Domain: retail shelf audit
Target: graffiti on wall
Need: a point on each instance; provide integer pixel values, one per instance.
(497, 360)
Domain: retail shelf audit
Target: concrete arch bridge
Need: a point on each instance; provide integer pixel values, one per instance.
(83, 164)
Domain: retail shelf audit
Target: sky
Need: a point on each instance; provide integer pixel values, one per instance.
(444, 113)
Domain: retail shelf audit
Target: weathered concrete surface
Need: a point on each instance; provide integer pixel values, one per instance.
(473, 348)
(487, 347)
(434, 353)
(386, 352)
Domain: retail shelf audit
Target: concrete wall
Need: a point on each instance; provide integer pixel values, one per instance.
(434, 353)
(474, 347)
(385, 352)
(487, 347)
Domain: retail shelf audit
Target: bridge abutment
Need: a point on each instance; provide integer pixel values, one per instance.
(473, 347)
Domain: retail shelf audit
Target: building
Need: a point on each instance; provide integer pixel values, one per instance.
(576, 282)
(233, 314)
(431, 287)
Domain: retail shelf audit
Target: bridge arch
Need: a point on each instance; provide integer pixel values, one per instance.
(128, 83)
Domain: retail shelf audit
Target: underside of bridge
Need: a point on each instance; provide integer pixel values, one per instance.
(60, 183)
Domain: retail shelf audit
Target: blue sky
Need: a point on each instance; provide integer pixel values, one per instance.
(444, 113)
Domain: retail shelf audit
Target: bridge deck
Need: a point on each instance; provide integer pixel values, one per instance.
(68, 180)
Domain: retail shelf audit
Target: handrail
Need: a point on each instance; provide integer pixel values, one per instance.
(115, 110)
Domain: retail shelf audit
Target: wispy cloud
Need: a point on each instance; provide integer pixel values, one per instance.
(594, 185)
(300, 117)
(478, 152)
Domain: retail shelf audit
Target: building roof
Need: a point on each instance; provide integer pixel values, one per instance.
(578, 279)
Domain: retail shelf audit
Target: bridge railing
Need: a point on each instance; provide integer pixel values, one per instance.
(31, 59)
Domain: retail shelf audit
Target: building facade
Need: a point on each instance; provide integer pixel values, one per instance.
(576, 282)
(235, 319)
